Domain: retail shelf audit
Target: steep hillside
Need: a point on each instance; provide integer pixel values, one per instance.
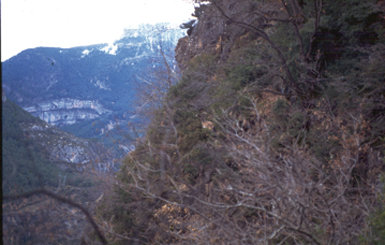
(273, 135)
(36, 155)
(22, 131)
(91, 91)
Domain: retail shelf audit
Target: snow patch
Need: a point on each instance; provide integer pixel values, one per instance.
(110, 49)
(99, 84)
(85, 53)
(202, 3)
(110, 126)
(36, 127)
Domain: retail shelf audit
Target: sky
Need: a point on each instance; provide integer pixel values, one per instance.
(69, 23)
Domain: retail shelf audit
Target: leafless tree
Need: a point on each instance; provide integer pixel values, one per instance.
(258, 196)
(247, 192)
(260, 18)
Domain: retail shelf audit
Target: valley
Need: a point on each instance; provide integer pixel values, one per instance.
(92, 91)
(69, 116)
(266, 128)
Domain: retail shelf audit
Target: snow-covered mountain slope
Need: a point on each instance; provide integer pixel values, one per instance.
(85, 90)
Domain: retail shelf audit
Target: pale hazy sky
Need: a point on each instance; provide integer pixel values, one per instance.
(68, 23)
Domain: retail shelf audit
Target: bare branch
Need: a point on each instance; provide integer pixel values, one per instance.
(260, 32)
(62, 200)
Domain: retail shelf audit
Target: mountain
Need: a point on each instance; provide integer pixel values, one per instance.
(37, 155)
(33, 148)
(274, 134)
(90, 91)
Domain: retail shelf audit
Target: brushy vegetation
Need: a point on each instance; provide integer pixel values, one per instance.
(278, 141)
(27, 166)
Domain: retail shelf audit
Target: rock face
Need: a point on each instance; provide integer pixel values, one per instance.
(57, 146)
(85, 89)
(36, 155)
(68, 150)
(67, 111)
(90, 91)
(213, 33)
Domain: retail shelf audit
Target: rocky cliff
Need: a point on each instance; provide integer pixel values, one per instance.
(70, 151)
(213, 33)
(67, 111)
(59, 147)
(37, 155)
(85, 89)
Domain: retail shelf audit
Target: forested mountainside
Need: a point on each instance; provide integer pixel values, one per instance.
(274, 134)
(91, 91)
(36, 155)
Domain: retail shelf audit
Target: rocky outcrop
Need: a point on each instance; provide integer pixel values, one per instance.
(66, 110)
(38, 155)
(214, 33)
(68, 150)
(82, 89)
